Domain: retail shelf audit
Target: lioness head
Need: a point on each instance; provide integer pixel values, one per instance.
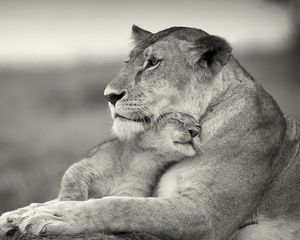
(175, 70)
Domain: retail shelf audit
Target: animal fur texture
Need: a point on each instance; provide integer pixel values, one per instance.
(243, 184)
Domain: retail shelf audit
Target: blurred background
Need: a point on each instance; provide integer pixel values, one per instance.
(57, 56)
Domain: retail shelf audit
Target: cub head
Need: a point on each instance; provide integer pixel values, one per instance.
(175, 70)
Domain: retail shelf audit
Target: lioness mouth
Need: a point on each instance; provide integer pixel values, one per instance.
(145, 119)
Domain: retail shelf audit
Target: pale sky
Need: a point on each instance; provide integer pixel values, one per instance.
(64, 30)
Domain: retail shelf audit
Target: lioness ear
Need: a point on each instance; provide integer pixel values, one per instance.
(211, 52)
(139, 34)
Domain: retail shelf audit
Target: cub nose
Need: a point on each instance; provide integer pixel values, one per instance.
(193, 131)
(113, 98)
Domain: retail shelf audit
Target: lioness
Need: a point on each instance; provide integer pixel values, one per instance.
(136, 165)
(245, 183)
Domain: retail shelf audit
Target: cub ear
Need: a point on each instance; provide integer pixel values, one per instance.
(139, 34)
(211, 52)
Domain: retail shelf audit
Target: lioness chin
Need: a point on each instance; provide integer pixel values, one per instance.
(243, 185)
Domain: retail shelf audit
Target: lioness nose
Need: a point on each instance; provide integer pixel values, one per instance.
(114, 97)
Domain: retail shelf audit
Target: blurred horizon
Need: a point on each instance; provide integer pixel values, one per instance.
(42, 32)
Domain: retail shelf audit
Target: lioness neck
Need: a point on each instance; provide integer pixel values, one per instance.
(243, 105)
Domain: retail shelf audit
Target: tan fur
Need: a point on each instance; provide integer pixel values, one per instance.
(248, 169)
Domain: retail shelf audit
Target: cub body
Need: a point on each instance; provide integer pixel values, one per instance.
(140, 163)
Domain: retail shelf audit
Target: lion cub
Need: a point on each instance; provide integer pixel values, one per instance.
(137, 165)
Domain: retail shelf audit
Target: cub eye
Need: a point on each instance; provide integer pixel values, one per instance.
(152, 63)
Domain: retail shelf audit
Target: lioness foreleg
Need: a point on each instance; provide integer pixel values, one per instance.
(164, 217)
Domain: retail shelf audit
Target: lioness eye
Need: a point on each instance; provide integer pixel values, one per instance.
(152, 63)
(127, 60)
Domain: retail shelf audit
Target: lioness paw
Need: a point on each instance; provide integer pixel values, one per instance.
(35, 222)
(8, 224)
(61, 218)
(9, 221)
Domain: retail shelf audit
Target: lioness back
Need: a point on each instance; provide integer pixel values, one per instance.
(277, 217)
